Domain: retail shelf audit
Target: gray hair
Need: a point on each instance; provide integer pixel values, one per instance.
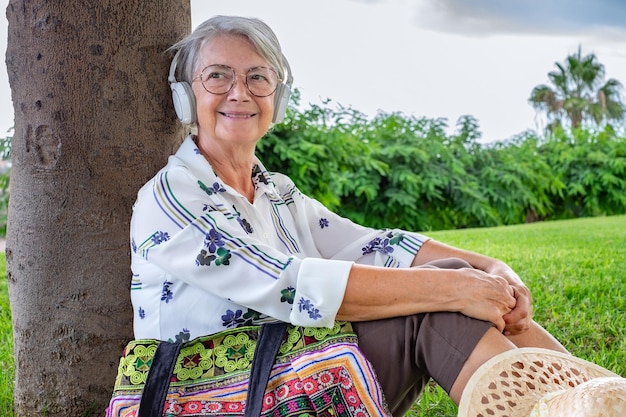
(255, 30)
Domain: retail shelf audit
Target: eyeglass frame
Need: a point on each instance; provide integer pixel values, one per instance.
(199, 77)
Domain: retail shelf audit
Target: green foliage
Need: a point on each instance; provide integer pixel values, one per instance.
(5, 153)
(402, 171)
(592, 168)
(516, 181)
(6, 345)
(4, 202)
(324, 151)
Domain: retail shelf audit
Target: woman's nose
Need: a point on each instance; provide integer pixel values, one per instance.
(240, 88)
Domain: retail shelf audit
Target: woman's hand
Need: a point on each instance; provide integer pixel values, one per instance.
(485, 296)
(519, 319)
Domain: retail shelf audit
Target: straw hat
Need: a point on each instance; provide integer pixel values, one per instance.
(604, 396)
(545, 383)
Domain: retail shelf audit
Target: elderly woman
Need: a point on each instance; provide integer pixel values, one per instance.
(220, 243)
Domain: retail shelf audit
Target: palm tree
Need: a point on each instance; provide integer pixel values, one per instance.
(578, 95)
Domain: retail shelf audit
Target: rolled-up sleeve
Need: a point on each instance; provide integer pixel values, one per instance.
(319, 293)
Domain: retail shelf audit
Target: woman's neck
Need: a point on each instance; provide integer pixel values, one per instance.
(234, 168)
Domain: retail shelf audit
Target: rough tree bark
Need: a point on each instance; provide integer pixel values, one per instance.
(93, 121)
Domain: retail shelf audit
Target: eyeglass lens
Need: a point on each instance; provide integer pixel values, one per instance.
(219, 79)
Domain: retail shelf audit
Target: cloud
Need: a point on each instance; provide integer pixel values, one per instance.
(485, 17)
(369, 1)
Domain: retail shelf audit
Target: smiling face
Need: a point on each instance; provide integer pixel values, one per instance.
(236, 118)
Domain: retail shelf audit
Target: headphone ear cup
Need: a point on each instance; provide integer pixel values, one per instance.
(184, 102)
(281, 101)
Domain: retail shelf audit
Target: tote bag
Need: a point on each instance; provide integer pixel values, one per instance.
(315, 372)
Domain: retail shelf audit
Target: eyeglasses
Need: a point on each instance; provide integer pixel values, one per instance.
(220, 79)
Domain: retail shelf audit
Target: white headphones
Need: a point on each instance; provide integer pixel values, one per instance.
(185, 101)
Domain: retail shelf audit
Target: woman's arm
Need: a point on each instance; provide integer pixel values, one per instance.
(517, 320)
(375, 293)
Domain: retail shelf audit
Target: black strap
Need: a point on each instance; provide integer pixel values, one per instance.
(270, 338)
(158, 380)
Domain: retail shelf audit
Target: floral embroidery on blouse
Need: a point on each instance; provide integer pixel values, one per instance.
(245, 225)
(242, 222)
(222, 257)
(288, 295)
(259, 175)
(215, 251)
(324, 223)
(213, 240)
(238, 318)
(166, 293)
(142, 313)
(306, 305)
(159, 237)
(383, 245)
(232, 318)
(214, 189)
(183, 336)
(251, 316)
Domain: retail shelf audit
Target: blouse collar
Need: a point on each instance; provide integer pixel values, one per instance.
(191, 156)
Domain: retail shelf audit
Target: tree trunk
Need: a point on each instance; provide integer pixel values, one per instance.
(93, 121)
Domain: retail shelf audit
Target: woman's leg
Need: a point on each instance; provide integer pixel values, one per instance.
(494, 343)
(449, 347)
(537, 336)
(406, 352)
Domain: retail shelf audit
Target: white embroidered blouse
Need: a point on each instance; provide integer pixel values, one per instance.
(205, 259)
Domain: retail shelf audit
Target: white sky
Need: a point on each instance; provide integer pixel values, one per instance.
(447, 58)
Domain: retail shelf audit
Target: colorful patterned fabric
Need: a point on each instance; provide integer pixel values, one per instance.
(318, 372)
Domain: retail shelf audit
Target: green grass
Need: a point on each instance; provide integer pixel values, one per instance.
(576, 270)
(6, 346)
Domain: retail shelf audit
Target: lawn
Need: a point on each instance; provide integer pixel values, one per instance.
(576, 270)
(6, 346)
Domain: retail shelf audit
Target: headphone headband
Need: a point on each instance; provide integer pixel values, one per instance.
(185, 101)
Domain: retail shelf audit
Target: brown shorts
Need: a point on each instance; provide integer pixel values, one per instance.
(406, 351)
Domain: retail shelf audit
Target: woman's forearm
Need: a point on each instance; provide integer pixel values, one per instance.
(376, 293)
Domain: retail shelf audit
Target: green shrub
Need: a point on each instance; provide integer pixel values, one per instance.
(395, 170)
(6, 346)
(5, 173)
